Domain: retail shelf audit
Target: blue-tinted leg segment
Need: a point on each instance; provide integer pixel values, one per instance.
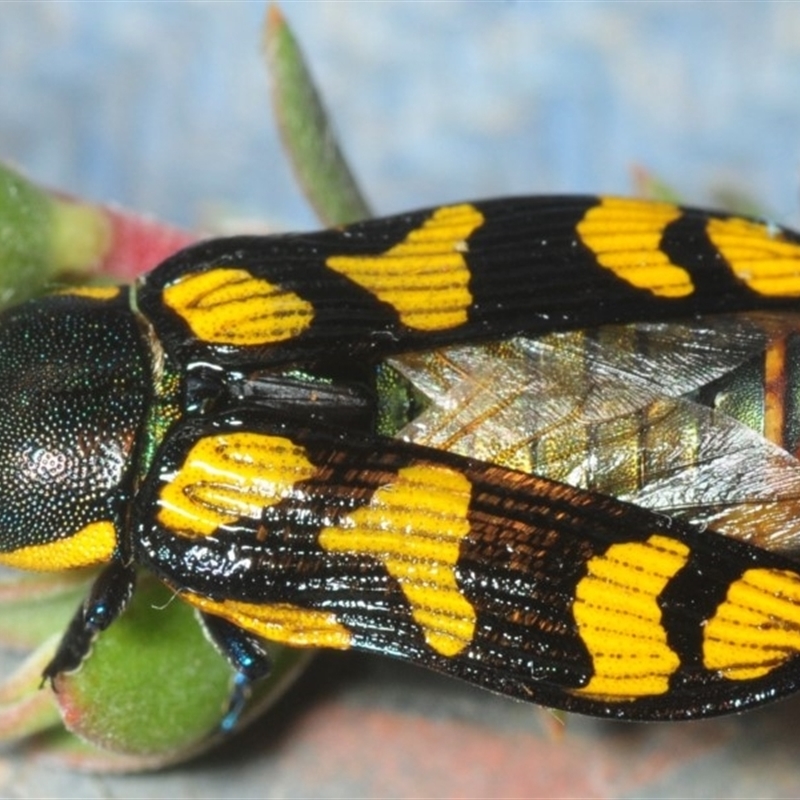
(107, 599)
(246, 653)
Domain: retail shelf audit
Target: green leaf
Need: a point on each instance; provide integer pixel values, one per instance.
(43, 237)
(306, 131)
(25, 708)
(37, 605)
(155, 686)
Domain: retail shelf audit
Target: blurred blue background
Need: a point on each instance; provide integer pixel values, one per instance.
(163, 107)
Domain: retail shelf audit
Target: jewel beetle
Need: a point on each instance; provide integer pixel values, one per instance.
(235, 423)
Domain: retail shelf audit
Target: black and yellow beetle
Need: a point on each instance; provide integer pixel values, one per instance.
(228, 423)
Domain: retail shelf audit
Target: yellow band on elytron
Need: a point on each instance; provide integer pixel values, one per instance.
(92, 545)
(93, 292)
(228, 477)
(757, 627)
(425, 278)
(278, 622)
(619, 621)
(758, 255)
(233, 307)
(625, 237)
(415, 526)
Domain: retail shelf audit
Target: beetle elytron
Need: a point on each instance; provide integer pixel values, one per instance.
(228, 424)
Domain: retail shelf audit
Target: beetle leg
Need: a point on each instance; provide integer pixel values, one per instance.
(246, 653)
(106, 600)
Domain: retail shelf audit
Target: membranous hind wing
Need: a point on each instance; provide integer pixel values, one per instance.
(519, 584)
(616, 410)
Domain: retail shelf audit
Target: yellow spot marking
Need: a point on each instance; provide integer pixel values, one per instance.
(231, 306)
(91, 545)
(93, 292)
(228, 477)
(757, 627)
(625, 237)
(415, 525)
(758, 255)
(619, 621)
(425, 278)
(278, 622)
